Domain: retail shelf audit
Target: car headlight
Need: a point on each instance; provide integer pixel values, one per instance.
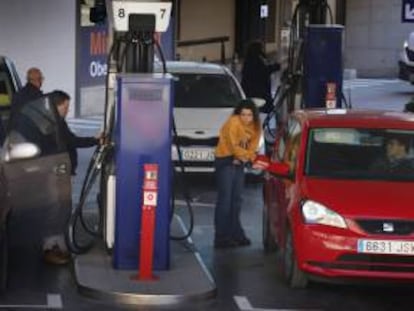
(405, 44)
(316, 213)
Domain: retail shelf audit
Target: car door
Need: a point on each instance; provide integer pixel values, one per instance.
(282, 189)
(43, 181)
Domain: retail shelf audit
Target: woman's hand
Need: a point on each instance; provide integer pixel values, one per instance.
(261, 163)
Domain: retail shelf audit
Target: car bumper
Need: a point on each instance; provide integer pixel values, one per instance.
(333, 253)
(195, 158)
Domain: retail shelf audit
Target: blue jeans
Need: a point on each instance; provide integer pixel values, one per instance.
(230, 184)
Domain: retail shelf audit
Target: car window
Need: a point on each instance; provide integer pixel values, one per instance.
(6, 88)
(360, 153)
(205, 91)
(37, 122)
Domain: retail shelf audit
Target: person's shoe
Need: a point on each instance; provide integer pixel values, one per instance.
(227, 243)
(243, 241)
(55, 256)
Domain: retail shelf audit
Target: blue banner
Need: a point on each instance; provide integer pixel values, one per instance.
(93, 55)
(94, 50)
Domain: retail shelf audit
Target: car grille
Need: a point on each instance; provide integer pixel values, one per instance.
(368, 262)
(399, 227)
(410, 54)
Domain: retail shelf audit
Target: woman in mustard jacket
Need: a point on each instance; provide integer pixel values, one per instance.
(238, 142)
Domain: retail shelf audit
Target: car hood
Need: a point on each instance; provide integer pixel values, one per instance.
(363, 199)
(200, 122)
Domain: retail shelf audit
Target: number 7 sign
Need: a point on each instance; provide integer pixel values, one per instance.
(122, 9)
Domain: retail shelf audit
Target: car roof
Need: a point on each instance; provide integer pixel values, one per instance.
(191, 67)
(355, 118)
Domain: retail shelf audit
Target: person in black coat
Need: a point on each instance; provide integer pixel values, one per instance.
(256, 73)
(61, 100)
(28, 93)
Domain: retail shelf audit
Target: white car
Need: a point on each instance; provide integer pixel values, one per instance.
(406, 61)
(205, 96)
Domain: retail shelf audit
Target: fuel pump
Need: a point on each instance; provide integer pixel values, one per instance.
(313, 75)
(134, 173)
(138, 130)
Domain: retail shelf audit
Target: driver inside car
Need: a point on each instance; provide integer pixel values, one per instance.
(395, 158)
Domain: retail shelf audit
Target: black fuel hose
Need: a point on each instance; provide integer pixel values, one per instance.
(92, 172)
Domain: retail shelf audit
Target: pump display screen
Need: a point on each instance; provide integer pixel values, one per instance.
(145, 94)
(146, 112)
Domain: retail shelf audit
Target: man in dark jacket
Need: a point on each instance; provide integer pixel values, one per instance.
(54, 246)
(31, 91)
(61, 100)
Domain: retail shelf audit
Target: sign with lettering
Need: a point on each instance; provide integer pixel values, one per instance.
(93, 50)
(264, 11)
(408, 11)
(93, 55)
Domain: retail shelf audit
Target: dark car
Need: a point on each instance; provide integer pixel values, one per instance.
(34, 170)
(338, 202)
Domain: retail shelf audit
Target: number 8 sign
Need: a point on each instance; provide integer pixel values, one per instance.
(122, 10)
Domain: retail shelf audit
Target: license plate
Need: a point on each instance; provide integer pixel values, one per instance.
(386, 247)
(193, 154)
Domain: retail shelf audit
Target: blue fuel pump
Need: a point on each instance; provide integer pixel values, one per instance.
(138, 126)
(322, 65)
(135, 170)
(143, 135)
(313, 74)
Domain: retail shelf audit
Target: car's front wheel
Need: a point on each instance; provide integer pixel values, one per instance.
(295, 277)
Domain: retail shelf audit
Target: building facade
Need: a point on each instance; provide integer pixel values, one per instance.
(374, 36)
(42, 34)
(55, 35)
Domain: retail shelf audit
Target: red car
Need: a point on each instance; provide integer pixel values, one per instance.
(339, 195)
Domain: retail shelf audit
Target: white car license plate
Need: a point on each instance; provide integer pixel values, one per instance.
(386, 247)
(193, 154)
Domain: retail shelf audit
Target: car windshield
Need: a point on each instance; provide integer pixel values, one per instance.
(205, 91)
(353, 153)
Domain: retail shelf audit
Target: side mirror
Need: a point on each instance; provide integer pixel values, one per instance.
(259, 102)
(22, 151)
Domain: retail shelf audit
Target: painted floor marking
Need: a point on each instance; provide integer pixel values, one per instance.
(54, 301)
(360, 83)
(244, 305)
